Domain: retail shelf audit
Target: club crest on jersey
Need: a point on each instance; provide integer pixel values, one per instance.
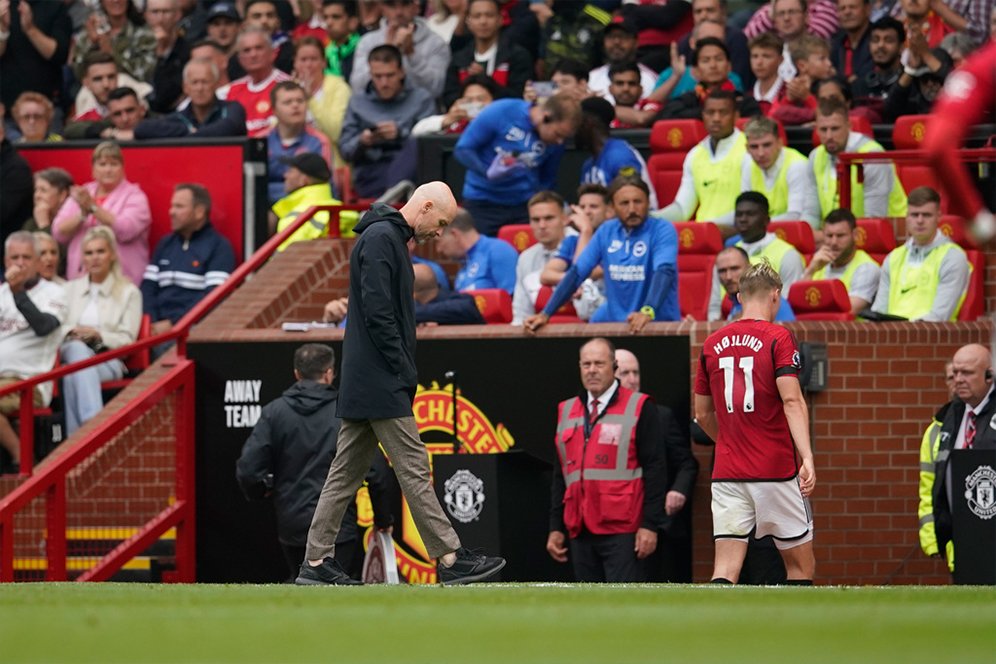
(639, 249)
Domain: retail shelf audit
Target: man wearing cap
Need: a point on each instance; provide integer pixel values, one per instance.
(205, 116)
(223, 22)
(306, 178)
(619, 44)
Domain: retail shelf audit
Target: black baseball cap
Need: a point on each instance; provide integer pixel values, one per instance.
(223, 9)
(311, 164)
(619, 24)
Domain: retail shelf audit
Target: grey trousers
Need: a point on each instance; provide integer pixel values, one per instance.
(355, 451)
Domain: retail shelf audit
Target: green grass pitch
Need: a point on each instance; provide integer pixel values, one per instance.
(510, 623)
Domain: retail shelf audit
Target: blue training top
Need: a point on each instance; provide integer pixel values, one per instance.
(490, 263)
(617, 158)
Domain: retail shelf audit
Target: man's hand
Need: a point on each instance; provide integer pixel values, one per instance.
(404, 38)
(535, 322)
(15, 276)
(456, 113)
(387, 130)
(27, 17)
(798, 88)
(5, 15)
(162, 36)
(555, 546)
(161, 327)
(918, 47)
(87, 335)
(42, 214)
(646, 542)
(580, 219)
(82, 196)
(824, 256)
(543, 12)
(674, 502)
(637, 322)
(368, 137)
(335, 311)
(678, 63)
(475, 68)
(807, 477)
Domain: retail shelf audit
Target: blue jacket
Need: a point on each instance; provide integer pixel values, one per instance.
(449, 309)
(490, 263)
(275, 150)
(437, 269)
(617, 158)
(227, 118)
(504, 128)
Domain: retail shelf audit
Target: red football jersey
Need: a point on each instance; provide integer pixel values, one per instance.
(738, 368)
(255, 99)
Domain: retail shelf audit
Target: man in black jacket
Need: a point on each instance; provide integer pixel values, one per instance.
(378, 387)
(288, 454)
(205, 116)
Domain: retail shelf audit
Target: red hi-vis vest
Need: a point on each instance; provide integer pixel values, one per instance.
(602, 475)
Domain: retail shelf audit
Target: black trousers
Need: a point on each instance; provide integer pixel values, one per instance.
(606, 558)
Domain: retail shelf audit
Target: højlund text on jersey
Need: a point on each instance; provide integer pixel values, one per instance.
(748, 340)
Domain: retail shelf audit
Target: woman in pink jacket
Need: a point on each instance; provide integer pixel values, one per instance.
(109, 200)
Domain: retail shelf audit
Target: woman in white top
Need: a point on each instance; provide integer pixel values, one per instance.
(105, 311)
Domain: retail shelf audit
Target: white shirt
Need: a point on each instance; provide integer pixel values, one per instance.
(800, 186)
(603, 400)
(960, 440)
(23, 353)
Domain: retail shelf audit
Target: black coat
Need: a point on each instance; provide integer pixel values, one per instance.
(515, 57)
(682, 470)
(378, 352)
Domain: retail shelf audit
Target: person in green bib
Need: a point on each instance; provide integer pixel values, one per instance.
(839, 258)
(880, 195)
(926, 278)
(780, 173)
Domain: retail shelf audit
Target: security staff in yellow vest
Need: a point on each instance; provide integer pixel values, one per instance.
(751, 221)
(780, 173)
(839, 258)
(307, 184)
(710, 178)
(930, 446)
(925, 278)
(881, 194)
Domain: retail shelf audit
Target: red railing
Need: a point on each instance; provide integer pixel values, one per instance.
(51, 483)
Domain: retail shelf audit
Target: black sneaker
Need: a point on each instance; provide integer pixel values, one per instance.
(329, 573)
(469, 568)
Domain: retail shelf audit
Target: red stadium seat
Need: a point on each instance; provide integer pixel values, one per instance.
(859, 123)
(876, 237)
(742, 122)
(698, 244)
(670, 141)
(519, 236)
(494, 304)
(954, 227)
(135, 363)
(698, 237)
(565, 314)
(797, 233)
(974, 306)
(907, 134)
(826, 299)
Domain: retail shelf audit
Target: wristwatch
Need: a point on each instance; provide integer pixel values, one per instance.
(648, 311)
(4, 36)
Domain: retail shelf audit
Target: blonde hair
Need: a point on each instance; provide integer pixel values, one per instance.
(759, 280)
(107, 150)
(107, 235)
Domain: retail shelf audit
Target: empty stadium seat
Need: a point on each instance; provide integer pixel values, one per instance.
(876, 237)
(670, 141)
(955, 228)
(826, 299)
(907, 134)
(519, 236)
(698, 237)
(494, 304)
(698, 244)
(565, 314)
(742, 122)
(797, 233)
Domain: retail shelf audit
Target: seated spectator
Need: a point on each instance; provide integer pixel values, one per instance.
(376, 134)
(779, 172)
(680, 79)
(549, 226)
(765, 63)
(930, 21)
(253, 90)
(213, 52)
(16, 186)
(49, 257)
(751, 220)
(449, 21)
(109, 200)
(116, 28)
(880, 194)
(35, 50)
(811, 58)
(328, 95)
(926, 278)
(188, 263)
(619, 45)
(716, 11)
(442, 280)
(193, 19)
(32, 113)
(425, 56)
(639, 256)
(849, 48)
(793, 18)
(509, 64)
(476, 93)
(306, 183)
(485, 262)
(433, 307)
(886, 48)
(100, 78)
(568, 77)
(712, 62)
(659, 23)
(124, 112)
(172, 52)
(610, 157)
(921, 81)
(839, 258)
(833, 87)
(711, 173)
(105, 311)
(263, 14)
(31, 311)
(205, 116)
(958, 45)
(309, 22)
(52, 186)
(222, 27)
(632, 108)
(341, 25)
(571, 29)
(291, 135)
(730, 264)
(511, 151)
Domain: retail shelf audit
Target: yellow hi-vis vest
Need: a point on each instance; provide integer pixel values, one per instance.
(295, 203)
(913, 288)
(774, 252)
(826, 185)
(860, 258)
(929, 447)
(717, 183)
(778, 197)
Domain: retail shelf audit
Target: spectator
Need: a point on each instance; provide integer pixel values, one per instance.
(376, 134)
(124, 112)
(34, 45)
(549, 225)
(109, 200)
(612, 523)
(849, 48)
(449, 21)
(309, 22)
(205, 116)
(115, 28)
(779, 172)
(921, 81)
(792, 18)
(879, 195)
(328, 95)
(425, 56)
(100, 79)
(679, 79)
(193, 20)
(291, 135)
(715, 11)
(341, 24)
(619, 45)
(31, 311)
(833, 87)
(263, 14)
(33, 114)
(632, 108)
(485, 262)
(751, 221)
(718, 160)
(712, 61)
(571, 30)
(568, 77)
(105, 311)
(52, 186)
(639, 255)
(958, 45)
(442, 280)
(511, 151)
(839, 258)
(253, 90)
(509, 64)
(306, 184)
(610, 157)
(928, 21)
(731, 262)
(50, 259)
(660, 23)
(811, 58)
(188, 263)
(925, 278)
(15, 186)
(223, 23)
(886, 48)
(172, 52)
(213, 51)
(433, 307)
(476, 93)
(765, 63)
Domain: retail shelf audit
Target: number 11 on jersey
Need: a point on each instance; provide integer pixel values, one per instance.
(747, 366)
